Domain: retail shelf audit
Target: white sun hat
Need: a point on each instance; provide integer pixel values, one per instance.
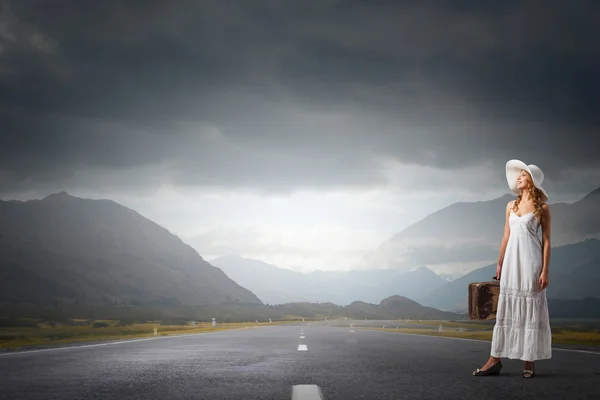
(513, 170)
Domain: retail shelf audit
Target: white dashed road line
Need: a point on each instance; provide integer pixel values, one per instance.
(302, 337)
(302, 347)
(306, 392)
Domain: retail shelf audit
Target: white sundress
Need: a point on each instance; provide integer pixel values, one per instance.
(522, 329)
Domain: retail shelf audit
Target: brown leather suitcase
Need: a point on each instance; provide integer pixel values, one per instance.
(483, 300)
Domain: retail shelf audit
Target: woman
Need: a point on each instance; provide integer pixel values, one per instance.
(522, 329)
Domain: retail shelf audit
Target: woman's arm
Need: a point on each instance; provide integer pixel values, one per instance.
(546, 230)
(504, 240)
(544, 279)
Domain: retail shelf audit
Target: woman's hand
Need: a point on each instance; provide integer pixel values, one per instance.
(498, 270)
(543, 280)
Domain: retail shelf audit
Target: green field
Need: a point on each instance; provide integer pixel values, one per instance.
(44, 333)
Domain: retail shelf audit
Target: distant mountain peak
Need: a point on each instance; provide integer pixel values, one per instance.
(594, 193)
(231, 256)
(424, 269)
(58, 196)
(505, 197)
(396, 300)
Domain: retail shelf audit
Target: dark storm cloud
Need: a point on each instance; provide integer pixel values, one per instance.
(293, 94)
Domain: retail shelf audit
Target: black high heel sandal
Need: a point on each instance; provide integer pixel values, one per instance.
(528, 373)
(493, 370)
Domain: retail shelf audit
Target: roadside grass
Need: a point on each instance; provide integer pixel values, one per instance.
(25, 332)
(457, 324)
(45, 334)
(563, 334)
(480, 335)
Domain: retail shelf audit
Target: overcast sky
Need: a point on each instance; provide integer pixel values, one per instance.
(303, 133)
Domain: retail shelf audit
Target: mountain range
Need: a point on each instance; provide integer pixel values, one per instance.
(476, 227)
(393, 307)
(66, 249)
(466, 235)
(64, 256)
(274, 285)
(574, 275)
(78, 255)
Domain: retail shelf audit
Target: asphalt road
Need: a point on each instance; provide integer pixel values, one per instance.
(268, 362)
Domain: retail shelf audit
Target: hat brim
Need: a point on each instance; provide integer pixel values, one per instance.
(513, 170)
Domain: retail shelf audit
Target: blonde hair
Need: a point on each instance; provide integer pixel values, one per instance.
(535, 195)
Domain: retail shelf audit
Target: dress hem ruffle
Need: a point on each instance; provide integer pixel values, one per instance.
(522, 357)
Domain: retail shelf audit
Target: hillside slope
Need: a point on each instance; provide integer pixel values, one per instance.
(466, 235)
(393, 307)
(64, 249)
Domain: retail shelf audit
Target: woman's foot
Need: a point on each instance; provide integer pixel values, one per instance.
(528, 369)
(491, 367)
